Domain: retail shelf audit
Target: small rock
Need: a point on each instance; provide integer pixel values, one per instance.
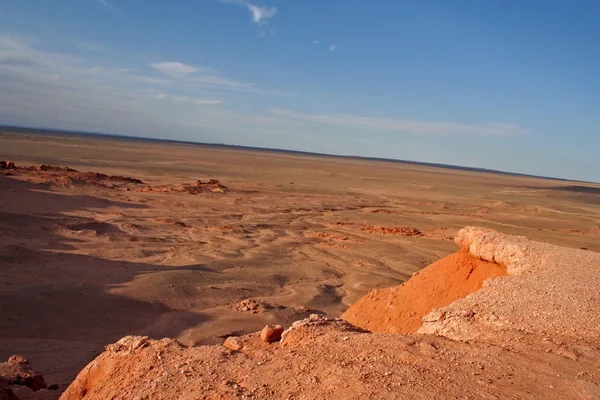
(271, 333)
(17, 371)
(302, 309)
(233, 343)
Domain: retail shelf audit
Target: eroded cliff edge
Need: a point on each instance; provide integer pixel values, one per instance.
(533, 333)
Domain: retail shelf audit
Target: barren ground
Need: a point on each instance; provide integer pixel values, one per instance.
(84, 262)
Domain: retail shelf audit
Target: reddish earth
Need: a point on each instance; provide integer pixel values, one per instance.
(17, 371)
(54, 175)
(210, 186)
(393, 230)
(407, 231)
(19, 381)
(87, 263)
(332, 237)
(58, 176)
(255, 306)
(509, 339)
(400, 309)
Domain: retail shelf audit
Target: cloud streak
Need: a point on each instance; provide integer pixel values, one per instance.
(174, 69)
(188, 100)
(260, 14)
(198, 75)
(105, 5)
(48, 88)
(401, 125)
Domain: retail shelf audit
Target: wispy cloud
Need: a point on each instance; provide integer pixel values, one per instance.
(105, 5)
(401, 125)
(332, 47)
(50, 88)
(198, 75)
(260, 14)
(186, 99)
(174, 69)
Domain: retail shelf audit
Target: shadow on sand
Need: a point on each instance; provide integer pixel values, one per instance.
(52, 296)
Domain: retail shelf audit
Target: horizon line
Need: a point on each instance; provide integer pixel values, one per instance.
(303, 152)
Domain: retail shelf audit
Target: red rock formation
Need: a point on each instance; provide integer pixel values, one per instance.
(542, 326)
(271, 333)
(400, 309)
(17, 371)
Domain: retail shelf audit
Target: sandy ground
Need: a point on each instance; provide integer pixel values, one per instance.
(84, 263)
(531, 334)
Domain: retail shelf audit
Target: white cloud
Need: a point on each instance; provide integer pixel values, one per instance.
(259, 14)
(189, 100)
(197, 75)
(104, 4)
(315, 41)
(400, 125)
(174, 69)
(59, 90)
(332, 47)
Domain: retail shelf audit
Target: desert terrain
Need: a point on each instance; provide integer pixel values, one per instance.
(101, 238)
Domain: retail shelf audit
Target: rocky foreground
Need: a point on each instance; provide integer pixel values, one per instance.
(531, 330)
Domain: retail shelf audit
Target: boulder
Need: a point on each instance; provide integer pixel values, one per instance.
(233, 343)
(17, 371)
(271, 333)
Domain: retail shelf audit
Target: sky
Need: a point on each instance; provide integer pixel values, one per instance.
(512, 85)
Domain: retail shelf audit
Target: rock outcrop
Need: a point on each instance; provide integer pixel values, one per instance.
(533, 333)
(17, 371)
(550, 291)
(271, 333)
(400, 309)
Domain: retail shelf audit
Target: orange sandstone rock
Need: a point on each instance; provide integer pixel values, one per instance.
(271, 333)
(400, 309)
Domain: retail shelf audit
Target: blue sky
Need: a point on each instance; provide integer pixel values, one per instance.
(510, 85)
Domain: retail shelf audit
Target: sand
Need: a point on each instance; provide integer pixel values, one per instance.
(85, 261)
(320, 357)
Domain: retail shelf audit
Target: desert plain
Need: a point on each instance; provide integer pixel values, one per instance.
(116, 237)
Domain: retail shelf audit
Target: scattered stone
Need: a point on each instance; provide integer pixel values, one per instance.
(233, 343)
(252, 305)
(7, 165)
(17, 371)
(256, 306)
(271, 333)
(393, 230)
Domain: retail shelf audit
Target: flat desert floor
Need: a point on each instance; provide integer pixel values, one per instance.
(86, 259)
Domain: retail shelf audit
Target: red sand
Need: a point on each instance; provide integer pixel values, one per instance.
(400, 309)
